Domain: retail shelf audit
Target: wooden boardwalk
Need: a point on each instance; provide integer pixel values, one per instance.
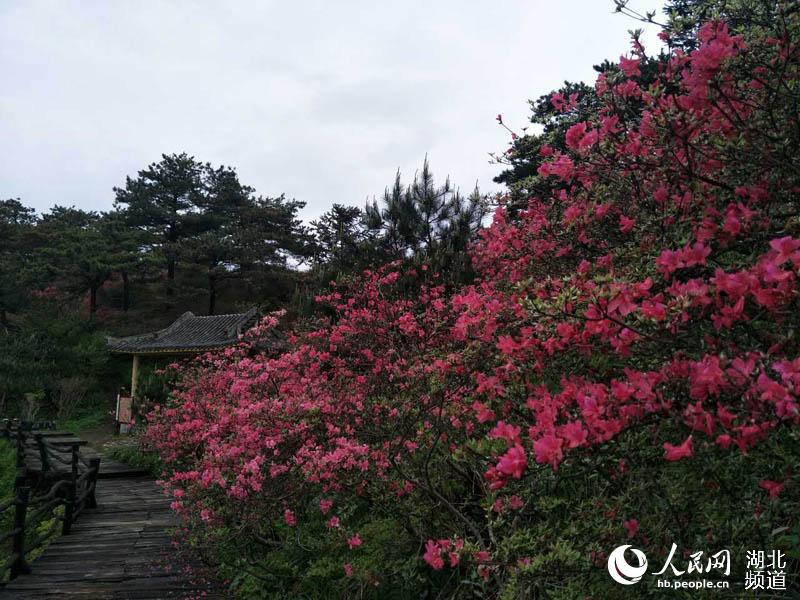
(121, 549)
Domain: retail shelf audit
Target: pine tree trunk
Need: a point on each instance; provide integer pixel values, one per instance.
(212, 294)
(170, 274)
(92, 301)
(126, 292)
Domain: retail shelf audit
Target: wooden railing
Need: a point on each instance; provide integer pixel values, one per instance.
(51, 472)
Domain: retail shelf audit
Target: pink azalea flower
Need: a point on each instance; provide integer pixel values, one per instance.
(630, 66)
(515, 503)
(784, 248)
(504, 431)
(626, 223)
(513, 462)
(433, 555)
(632, 526)
(685, 450)
(482, 412)
(289, 517)
(548, 450)
(574, 434)
(773, 487)
(724, 441)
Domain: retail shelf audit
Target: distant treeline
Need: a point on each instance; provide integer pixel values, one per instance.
(186, 235)
(181, 213)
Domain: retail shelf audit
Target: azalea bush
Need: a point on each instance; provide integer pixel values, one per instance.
(625, 367)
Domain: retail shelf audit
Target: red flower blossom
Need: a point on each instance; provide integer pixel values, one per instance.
(632, 527)
(513, 462)
(774, 488)
(685, 450)
(548, 450)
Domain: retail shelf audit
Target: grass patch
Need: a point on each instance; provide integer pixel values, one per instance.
(132, 455)
(8, 468)
(89, 418)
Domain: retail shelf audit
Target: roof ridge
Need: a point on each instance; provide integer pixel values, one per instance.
(244, 320)
(174, 325)
(189, 331)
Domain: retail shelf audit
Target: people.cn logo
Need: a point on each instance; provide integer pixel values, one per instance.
(621, 570)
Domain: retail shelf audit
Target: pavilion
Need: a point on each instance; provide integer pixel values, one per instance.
(189, 334)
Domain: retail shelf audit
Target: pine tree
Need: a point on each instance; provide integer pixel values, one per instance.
(16, 222)
(164, 201)
(426, 221)
(75, 252)
(127, 247)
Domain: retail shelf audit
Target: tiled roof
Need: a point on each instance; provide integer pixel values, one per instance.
(188, 333)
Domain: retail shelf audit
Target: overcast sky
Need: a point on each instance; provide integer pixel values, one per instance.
(322, 100)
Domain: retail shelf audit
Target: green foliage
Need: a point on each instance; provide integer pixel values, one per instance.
(422, 224)
(560, 539)
(743, 17)
(8, 467)
(384, 568)
(237, 250)
(163, 201)
(155, 384)
(90, 417)
(708, 504)
(8, 472)
(45, 351)
(343, 243)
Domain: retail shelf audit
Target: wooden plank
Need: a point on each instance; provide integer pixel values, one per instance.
(111, 468)
(65, 441)
(48, 433)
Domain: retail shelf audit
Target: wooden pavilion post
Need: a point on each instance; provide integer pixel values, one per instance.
(134, 376)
